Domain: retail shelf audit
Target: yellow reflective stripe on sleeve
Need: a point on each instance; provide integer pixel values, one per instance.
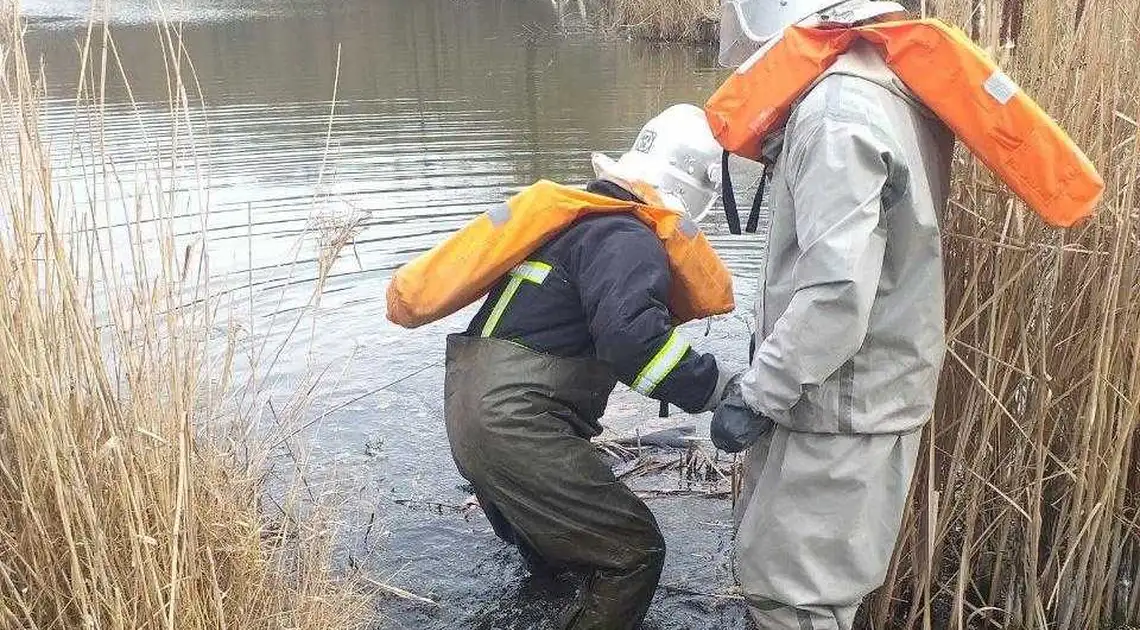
(661, 364)
(529, 271)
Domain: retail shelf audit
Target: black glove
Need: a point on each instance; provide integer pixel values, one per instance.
(735, 426)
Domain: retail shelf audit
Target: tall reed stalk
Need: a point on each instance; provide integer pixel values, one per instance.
(1026, 512)
(672, 20)
(1026, 508)
(115, 511)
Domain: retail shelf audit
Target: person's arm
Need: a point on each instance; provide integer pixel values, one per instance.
(840, 173)
(623, 282)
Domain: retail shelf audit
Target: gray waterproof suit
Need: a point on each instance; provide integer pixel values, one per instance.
(849, 344)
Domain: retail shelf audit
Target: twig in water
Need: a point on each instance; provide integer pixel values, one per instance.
(435, 505)
(382, 388)
(399, 592)
(670, 493)
(688, 591)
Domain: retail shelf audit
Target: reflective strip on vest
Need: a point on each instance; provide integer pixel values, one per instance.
(530, 271)
(661, 364)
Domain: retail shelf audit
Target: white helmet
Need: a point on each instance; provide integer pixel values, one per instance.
(674, 163)
(747, 25)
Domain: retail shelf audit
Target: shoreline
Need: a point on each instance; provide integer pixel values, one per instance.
(679, 21)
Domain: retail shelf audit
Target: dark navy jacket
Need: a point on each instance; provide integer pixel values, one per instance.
(599, 289)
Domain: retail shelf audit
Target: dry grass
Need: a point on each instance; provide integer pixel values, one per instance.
(1027, 505)
(335, 228)
(127, 498)
(671, 20)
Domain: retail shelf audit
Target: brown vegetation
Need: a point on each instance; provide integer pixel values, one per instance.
(670, 20)
(124, 502)
(1026, 511)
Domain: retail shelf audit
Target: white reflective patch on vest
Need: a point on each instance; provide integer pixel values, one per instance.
(1001, 87)
(661, 365)
(499, 215)
(689, 227)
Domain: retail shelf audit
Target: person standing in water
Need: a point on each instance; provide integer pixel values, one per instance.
(528, 381)
(849, 335)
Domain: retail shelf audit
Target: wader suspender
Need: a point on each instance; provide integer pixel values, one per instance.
(731, 214)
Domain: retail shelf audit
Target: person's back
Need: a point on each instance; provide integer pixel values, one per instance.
(599, 290)
(883, 379)
(528, 381)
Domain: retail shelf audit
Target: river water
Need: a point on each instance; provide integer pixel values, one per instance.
(442, 108)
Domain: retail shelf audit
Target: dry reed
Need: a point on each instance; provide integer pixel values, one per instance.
(1026, 512)
(1026, 507)
(127, 498)
(671, 20)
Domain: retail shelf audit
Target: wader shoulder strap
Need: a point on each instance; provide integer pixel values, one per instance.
(754, 213)
(731, 213)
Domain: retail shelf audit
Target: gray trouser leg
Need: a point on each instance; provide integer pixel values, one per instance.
(820, 524)
(752, 464)
(776, 616)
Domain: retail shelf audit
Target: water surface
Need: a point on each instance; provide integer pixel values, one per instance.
(442, 108)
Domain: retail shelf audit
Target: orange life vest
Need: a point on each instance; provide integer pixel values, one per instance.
(954, 78)
(463, 268)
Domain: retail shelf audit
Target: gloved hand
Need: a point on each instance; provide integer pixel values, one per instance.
(735, 426)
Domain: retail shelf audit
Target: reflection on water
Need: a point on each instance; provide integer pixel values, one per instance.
(441, 109)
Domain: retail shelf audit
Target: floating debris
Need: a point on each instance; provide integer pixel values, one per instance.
(699, 470)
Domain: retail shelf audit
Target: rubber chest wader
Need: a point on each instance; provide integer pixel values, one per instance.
(519, 424)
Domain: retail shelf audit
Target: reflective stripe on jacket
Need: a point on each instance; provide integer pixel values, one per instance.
(600, 289)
